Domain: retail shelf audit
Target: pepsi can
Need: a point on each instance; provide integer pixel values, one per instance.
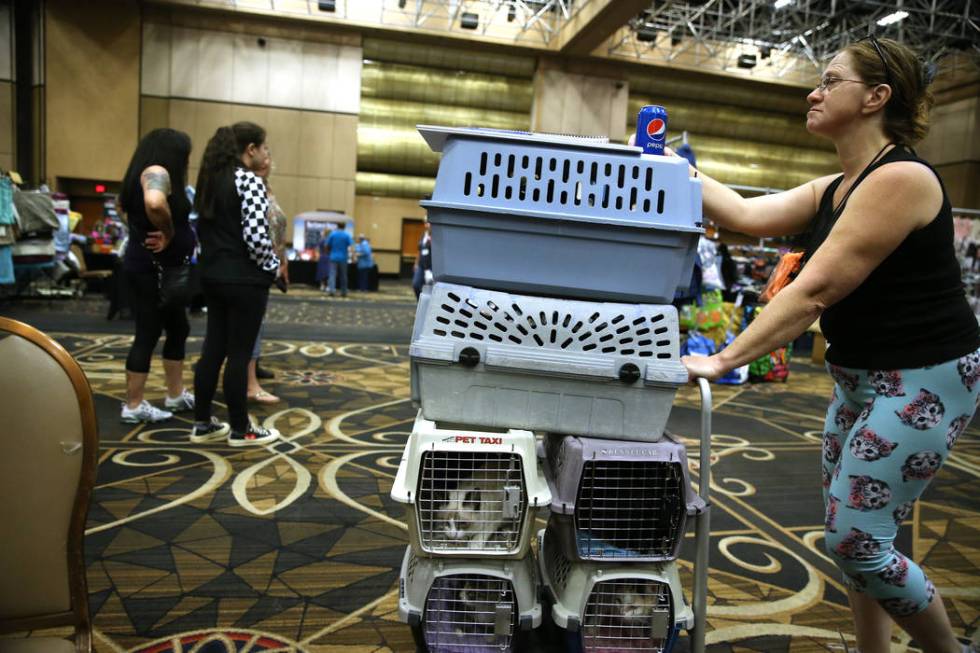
(651, 129)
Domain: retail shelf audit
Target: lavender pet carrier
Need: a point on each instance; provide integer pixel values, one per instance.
(503, 360)
(469, 606)
(561, 216)
(614, 500)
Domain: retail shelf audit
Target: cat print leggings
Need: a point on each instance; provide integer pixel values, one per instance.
(886, 435)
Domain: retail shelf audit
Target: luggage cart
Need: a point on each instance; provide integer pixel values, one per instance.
(702, 524)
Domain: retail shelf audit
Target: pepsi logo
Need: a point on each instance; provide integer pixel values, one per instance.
(656, 127)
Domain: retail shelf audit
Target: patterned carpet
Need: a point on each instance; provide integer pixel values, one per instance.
(297, 545)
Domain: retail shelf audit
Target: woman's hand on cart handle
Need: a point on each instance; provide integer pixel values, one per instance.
(703, 367)
(157, 241)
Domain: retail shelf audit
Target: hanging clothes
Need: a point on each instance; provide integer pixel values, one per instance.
(6, 201)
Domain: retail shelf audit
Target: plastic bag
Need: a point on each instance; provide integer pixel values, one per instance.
(773, 367)
(784, 272)
(697, 345)
(737, 376)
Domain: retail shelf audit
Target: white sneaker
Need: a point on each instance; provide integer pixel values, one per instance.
(254, 436)
(211, 432)
(145, 412)
(179, 404)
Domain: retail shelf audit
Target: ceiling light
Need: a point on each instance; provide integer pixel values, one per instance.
(746, 61)
(469, 20)
(327, 5)
(893, 17)
(779, 4)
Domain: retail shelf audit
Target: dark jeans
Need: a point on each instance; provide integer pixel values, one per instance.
(151, 321)
(235, 312)
(363, 275)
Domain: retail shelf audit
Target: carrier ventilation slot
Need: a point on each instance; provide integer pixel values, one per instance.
(612, 333)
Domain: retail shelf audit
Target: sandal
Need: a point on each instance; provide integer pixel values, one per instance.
(263, 397)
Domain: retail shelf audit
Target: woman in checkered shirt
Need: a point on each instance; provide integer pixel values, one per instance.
(238, 263)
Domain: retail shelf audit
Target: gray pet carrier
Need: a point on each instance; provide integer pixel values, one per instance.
(614, 500)
(562, 216)
(501, 360)
(469, 605)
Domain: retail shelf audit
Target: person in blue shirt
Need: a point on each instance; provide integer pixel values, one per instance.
(338, 244)
(365, 261)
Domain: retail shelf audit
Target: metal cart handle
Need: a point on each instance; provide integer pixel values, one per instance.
(703, 524)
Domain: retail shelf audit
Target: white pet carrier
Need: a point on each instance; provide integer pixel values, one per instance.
(618, 501)
(470, 493)
(619, 607)
(564, 366)
(473, 606)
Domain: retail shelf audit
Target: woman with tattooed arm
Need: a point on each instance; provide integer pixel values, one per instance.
(159, 235)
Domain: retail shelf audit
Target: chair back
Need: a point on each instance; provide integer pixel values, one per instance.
(48, 452)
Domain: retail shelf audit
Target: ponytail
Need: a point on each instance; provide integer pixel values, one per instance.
(222, 154)
(218, 161)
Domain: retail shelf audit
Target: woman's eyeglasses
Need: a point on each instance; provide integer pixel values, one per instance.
(829, 82)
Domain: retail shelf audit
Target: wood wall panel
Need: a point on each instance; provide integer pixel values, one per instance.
(251, 67)
(154, 114)
(7, 127)
(92, 73)
(380, 219)
(286, 73)
(155, 60)
(6, 43)
(304, 147)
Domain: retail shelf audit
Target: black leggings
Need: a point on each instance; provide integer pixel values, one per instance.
(235, 312)
(151, 320)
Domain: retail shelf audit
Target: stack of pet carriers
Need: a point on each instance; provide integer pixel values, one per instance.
(544, 362)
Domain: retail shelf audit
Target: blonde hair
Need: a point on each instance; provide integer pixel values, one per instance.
(907, 111)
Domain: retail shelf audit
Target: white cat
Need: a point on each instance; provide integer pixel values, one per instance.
(474, 513)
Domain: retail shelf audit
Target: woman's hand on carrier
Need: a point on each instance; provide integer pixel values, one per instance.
(157, 241)
(667, 150)
(704, 367)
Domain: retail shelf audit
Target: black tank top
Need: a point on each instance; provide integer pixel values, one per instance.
(140, 259)
(912, 310)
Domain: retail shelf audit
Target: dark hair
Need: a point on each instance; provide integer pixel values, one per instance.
(907, 111)
(165, 147)
(216, 181)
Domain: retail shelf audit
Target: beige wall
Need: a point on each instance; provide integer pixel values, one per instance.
(7, 127)
(574, 103)
(953, 147)
(92, 73)
(314, 153)
(303, 87)
(380, 219)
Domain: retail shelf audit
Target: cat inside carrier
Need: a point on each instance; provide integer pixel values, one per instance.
(619, 500)
(605, 607)
(469, 612)
(470, 500)
(471, 606)
(470, 492)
